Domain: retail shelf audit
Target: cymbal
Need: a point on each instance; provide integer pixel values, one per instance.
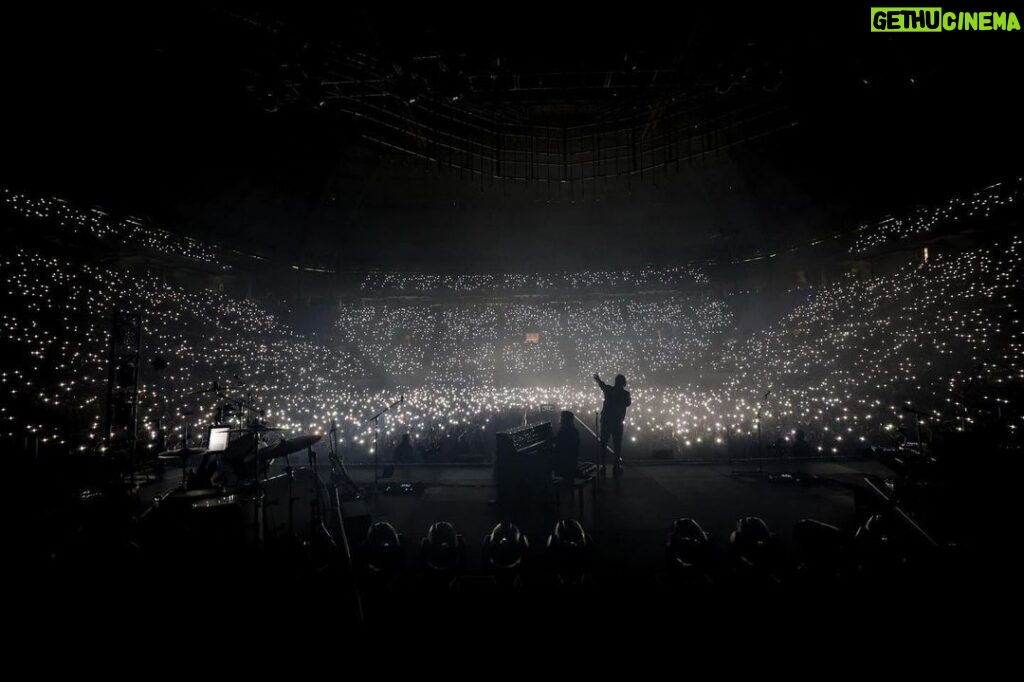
(181, 453)
(289, 445)
(194, 494)
(260, 427)
(303, 442)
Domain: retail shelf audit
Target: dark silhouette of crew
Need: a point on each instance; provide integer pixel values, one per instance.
(403, 452)
(801, 448)
(613, 414)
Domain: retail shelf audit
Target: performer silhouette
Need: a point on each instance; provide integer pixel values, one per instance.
(613, 414)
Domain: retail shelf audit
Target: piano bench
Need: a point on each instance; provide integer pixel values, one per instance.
(586, 475)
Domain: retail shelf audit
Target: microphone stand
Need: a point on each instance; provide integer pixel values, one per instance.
(336, 462)
(376, 440)
(918, 414)
(760, 451)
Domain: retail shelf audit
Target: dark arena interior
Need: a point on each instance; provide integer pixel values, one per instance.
(418, 318)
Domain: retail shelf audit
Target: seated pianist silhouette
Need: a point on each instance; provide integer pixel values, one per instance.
(567, 447)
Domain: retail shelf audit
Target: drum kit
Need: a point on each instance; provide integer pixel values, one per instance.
(286, 506)
(242, 517)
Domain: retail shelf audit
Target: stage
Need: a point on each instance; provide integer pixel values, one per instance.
(634, 512)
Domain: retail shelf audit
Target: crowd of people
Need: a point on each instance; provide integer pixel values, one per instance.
(943, 338)
(923, 220)
(134, 232)
(129, 231)
(866, 361)
(481, 343)
(390, 282)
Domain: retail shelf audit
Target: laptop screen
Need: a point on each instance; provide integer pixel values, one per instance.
(218, 440)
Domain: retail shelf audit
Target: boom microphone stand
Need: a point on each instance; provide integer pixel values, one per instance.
(336, 462)
(760, 473)
(918, 418)
(376, 439)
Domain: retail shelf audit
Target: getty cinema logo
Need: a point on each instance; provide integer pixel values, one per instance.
(934, 20)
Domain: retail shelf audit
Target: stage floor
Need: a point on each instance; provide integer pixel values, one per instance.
(629, 523)
(633, 513)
